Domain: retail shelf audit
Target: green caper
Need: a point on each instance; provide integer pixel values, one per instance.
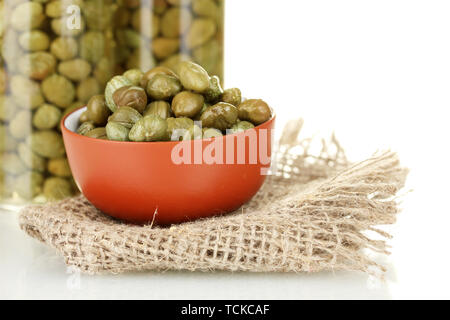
(193, 133)
(34, 40)
(153, 72)
(176, 127)
(47, 144)
(163, 87)
(29, 184)
(241, 126)
(20, 84)
(97, 133)
(56, 188)
(193, 77)
(221, 116)
(175, 21)
(31, 159)
(97, 110)
(37, 65)
(64, 48)
(131, 96)
(206, 8)
(76, 69)
(7, 108)
(145, 22)
(163, 48)
(148, 129)
(201, 31)
(125, 116)
(135, 76)
(7, 143)
(59, 167)
(214, 91)
(117, 132)
(12, 163)
(209, 133)
(61, 28)
(58, 90)
(84, 117)
(19, 127)
(87, 88)
(255, 110)
(92, 46)
(85, 128)
(159, 108)
(46, 117)
(26, 16)
(187, 104)
(232, 96)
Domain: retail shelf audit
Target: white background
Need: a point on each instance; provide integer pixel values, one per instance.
(375, 72)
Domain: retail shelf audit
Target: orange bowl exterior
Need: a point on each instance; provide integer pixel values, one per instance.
(131, 181)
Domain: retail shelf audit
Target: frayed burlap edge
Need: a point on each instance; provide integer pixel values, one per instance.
(312, 214)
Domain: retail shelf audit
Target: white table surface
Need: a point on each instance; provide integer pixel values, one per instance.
(30, 270)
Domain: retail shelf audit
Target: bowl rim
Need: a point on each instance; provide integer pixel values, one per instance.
(66, 130)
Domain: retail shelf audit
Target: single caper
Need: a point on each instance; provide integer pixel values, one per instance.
(87, 88)
(177, 127)
(163, 48)
(193, 133)
(163, 87)
(58, 90)
(12, 164)
(153, 72)
(255, 110)
(31, 159)
(175, 21)
(159, 108)
(20, 125)
(193, 77)
(37, 65)
(56, 188)
(241, 126)
(117, 132)
(148, 129)
(64, 48)
(47, 144)
(131, 96)
(97, 110)
(76, 69)
(135, 76)
(84, 117)
(26, 16)
(201, 31)
(232, 96)
(29, 184)
(34, 40)
(59, 167)
(214, 91)
(85, 127)
(97, 133)
(187, 104)
(125, 116)
(221, 116)
(46, 116)
(209, 133)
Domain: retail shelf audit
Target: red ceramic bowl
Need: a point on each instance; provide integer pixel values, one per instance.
(168, 182)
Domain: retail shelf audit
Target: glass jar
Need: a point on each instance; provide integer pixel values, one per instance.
(57, 54)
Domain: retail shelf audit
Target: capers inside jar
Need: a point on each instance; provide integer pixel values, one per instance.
(163, 106)
(54, 58)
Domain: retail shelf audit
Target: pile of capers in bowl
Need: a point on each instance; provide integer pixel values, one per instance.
(161, 105)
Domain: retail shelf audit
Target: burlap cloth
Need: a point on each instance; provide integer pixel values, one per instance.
(312, 214)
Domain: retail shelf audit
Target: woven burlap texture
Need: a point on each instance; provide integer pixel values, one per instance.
(312, 214)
